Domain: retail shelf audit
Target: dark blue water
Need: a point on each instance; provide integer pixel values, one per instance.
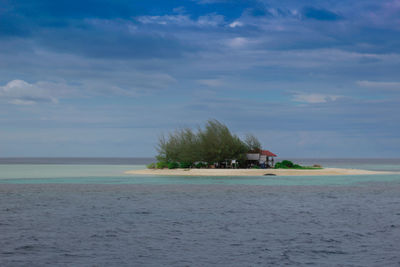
(91, 220)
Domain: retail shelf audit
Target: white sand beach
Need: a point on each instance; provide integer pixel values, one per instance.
(254, 172)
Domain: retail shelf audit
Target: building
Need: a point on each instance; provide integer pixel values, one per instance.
(263, 159)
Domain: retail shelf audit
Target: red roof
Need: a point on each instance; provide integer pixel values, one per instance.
(268, 153)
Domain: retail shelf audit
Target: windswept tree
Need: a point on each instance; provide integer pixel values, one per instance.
(180, 146)
(213, 144)
(162, 149)
(188, 146)
(252, 143)
(218, 144)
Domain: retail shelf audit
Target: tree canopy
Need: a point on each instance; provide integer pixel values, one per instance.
(252, 143)
(213, 144)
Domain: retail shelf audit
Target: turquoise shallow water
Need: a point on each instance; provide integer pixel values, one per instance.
(29, 171)
(114, 174)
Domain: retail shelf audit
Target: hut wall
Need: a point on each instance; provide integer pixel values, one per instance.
(253, 156)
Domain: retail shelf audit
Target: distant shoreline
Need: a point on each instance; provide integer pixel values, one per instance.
(254, 172)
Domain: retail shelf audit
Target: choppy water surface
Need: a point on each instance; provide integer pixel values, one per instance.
(86, 216)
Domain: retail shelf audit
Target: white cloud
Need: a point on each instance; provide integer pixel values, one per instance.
(209, 20)
(19, 92)
(236, 24)
(384, 85)
(314, 98)
(165, 20)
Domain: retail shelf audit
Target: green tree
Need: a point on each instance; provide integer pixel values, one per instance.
(181, 146)
(218, 144)
(213, 144)
(252, 143)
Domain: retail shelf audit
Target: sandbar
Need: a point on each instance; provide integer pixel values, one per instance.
(254, 172)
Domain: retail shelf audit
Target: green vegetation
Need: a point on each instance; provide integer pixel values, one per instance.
(212, 145)
(173, 165)
(200, 165)
(151, 166)
(287, 164)
(161, 165)
(185, 165)
(252, 143)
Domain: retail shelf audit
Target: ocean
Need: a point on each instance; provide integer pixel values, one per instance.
(87, 212)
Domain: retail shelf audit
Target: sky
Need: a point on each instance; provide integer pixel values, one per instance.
(107, 78)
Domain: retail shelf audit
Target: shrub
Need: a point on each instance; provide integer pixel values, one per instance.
(185, 165)
(255, 167)
(200, 165)
(151, 166)
(278, 165)
(173, 165)
(286, 164)
(161, 165)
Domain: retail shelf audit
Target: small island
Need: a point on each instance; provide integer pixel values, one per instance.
(215, 151)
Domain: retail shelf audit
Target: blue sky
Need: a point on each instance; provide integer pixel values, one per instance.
(106, 78)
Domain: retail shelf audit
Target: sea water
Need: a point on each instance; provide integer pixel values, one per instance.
(89, 213)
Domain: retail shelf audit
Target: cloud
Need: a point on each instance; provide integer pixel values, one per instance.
(165, 20)
(382, 85)
(236, 24)
(314, 98)
(133, 61)
(320, 14)
(207, 20)
(238, 42)
(19, 92)
(211, 20)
